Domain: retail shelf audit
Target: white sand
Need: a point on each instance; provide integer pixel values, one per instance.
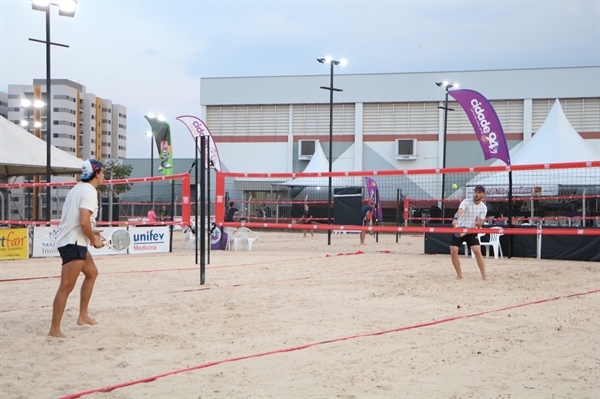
(155, 318)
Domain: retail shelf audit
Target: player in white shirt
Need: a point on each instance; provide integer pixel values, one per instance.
(471, 214)
(75, 232)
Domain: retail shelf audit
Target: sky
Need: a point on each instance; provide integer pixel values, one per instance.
(150, 55)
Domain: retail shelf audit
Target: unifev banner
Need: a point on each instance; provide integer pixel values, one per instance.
(198, 128)
(149, 239)
(485, 123)
(44, 242)
(373, 193)
(14, 243)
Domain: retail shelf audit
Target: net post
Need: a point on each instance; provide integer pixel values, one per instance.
(220, 200)
(201, 230)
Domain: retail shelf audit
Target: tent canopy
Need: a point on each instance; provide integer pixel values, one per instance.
(318, 163)
(21, 153)
(555, 142)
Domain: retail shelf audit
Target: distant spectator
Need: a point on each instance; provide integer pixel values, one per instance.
(230, 212)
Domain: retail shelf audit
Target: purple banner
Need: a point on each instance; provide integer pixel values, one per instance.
(373, 192)
(485, 123)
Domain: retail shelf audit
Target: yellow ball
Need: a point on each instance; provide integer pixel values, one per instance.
(455, 186)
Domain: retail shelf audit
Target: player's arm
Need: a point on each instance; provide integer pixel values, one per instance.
(480, 219)
(457, 215)
(86, 226)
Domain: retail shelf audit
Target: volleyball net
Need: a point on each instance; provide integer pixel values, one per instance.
(121, 202)
(558, 195)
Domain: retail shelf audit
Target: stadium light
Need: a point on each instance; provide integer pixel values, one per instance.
(331, 89)
(66, 8)
(446, 109)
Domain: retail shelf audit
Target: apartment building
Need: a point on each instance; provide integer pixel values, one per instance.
(83, 124)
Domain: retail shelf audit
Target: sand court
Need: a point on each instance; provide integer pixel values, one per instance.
(296, 318)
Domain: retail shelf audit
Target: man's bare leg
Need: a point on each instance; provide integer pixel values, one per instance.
(480, 260)
(91, 272)
(68, 278)
(456, 261)
(362, 237)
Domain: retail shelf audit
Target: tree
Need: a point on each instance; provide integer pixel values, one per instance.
(113, 170)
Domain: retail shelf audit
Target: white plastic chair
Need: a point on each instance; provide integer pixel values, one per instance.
(232, 240)
(189, 236)
(467, 247)
(493, 243)
(248, 237)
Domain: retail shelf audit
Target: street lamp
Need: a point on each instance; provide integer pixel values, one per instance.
(66, 8)
(447, 87)
(331, 89)
(149, 134)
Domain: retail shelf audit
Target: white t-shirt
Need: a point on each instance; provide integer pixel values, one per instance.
(471, 211)
(83, 195)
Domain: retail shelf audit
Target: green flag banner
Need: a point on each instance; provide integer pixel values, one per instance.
(162, 137)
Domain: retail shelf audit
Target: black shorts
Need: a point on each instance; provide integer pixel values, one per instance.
(470, 239)
(72, 252)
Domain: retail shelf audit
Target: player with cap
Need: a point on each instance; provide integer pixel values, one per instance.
(471, 214)
(75, 231)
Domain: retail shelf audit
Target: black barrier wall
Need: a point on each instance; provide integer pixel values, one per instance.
(576, 247)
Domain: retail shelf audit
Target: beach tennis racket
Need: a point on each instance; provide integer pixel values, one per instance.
(119, 240)
(371, 232)
(461, 234)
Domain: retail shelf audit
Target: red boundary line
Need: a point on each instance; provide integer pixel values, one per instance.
(292, 349)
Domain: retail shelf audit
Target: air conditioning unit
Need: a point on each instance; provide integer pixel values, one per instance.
(306, 149)
(406, 149)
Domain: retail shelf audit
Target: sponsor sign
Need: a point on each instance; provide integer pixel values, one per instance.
(44, 242)
(149, 239)
(486, 124)
(14, 243)
(522, 191)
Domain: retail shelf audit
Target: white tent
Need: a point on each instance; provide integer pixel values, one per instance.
(21, 153)
(555, 142)
(317, 164)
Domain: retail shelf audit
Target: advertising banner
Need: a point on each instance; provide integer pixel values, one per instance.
(485, 122)
(149, 239)
(14, 243)
(373, 193)
(44, 242)
(198, 128)
(161, 131)
(522, 191)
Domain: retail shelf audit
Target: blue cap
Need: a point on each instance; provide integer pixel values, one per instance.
(90, 167)
(480, 188)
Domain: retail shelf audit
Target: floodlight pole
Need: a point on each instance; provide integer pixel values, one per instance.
(48, 43)
(446, 109)
(331, 90)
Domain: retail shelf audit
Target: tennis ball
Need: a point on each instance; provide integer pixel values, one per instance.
(455, 186)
